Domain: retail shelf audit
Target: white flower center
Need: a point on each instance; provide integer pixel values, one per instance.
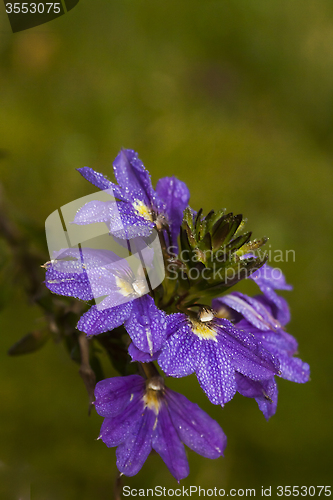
(140, 287)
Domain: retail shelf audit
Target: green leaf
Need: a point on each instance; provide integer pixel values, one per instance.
(238, 242)
(251, 246)
(224, 229)
(188, 217)
(206, 243)
(212, 218)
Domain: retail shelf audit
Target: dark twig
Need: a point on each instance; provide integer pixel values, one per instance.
(86, 372)
(117, 487)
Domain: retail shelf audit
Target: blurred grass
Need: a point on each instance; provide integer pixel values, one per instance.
(235, 98)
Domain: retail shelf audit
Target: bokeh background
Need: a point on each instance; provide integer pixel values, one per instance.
(236, 99)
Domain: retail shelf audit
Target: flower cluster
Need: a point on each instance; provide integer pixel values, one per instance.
(186, 323)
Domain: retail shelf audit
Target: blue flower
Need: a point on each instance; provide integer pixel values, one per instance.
(264, 317)
(139, 207)
(268, 280)
(100, 274)
(265, 393)
(141, 415)
(237, 345)
(215, 350)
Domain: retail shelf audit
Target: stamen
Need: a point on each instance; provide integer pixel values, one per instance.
(205, 314)
(155, 384)
(140, 287)
(161, 222)
(154, 394)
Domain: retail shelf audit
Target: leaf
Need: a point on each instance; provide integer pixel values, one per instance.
(184, 239)
(198, 217)
(29, 343)
(190, 235)
(238, 242)
(212, 218)
(252, 245)
(188, 217)
(199, 225)
(206, 242)
(224, 229)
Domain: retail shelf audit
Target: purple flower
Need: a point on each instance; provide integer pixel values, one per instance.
(249, 308)
(215, 350)
(142, 357)
(256, 316)
(141, 415)
(100, 274)
(265, 393)
(268, 280)
(139, 207)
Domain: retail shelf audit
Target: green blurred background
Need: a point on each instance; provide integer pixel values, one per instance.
(236, 99)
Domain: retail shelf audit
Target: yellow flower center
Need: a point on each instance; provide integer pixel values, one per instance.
(143, 210)
(204, 331)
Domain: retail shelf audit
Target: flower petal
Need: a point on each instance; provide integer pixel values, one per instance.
(114, 394)
(93, 211)
(101, 182)
(215, 373)
(254, 388)
(78, 272)
(264, 392)
(125, 223)
(247, 353)
(133, 452)
(179, 355)
(147, 325)
(95, 321)
(169, 446)
(195, 428)
(277, 340)
(176, 196)
(142, 357)
(115, 430)
(71, 284)
(294, 369)
(120, 218)
(268, 407)
(250, 308)
(270, 277)
(279, 310)
(132, 176)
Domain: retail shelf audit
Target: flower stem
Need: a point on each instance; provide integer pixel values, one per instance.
(150, 370)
